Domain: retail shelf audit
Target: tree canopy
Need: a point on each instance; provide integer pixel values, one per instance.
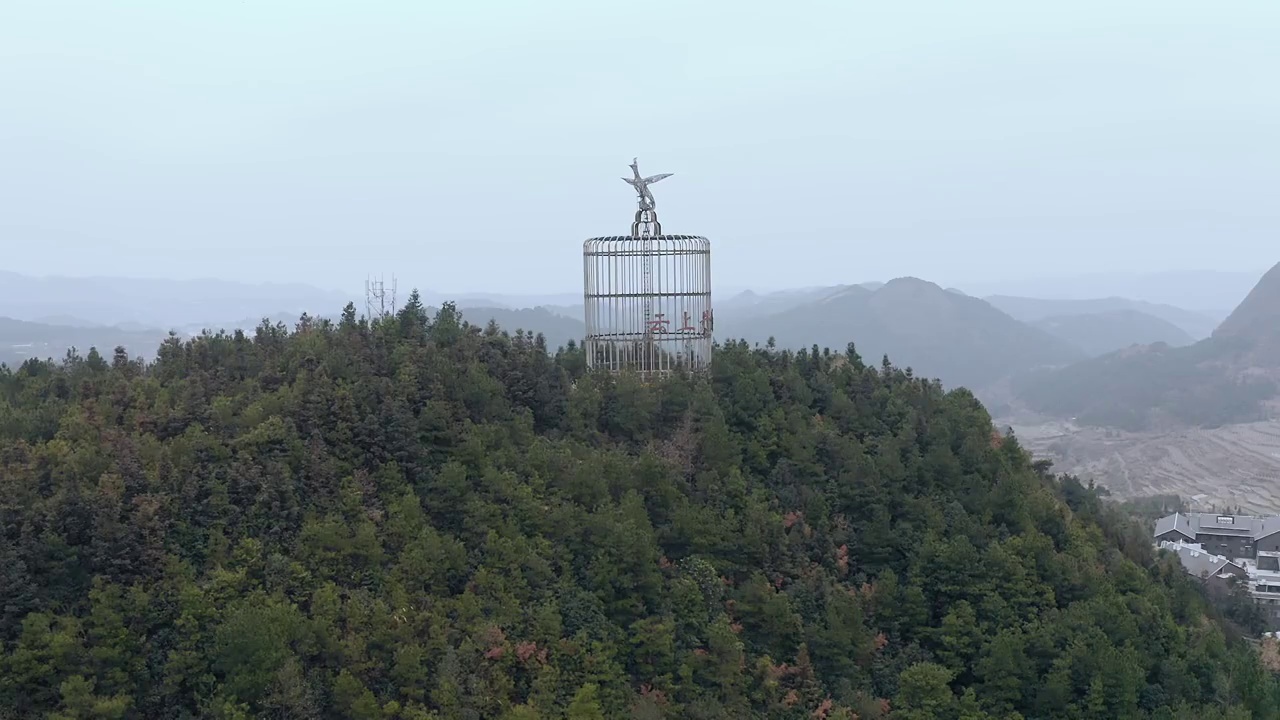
(416, 518)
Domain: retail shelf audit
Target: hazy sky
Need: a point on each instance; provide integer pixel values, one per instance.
(474, 145)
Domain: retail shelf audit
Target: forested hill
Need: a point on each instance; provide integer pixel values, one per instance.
(419, 519)
(1230, 377)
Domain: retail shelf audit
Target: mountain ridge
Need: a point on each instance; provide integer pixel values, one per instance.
(21, 340)
(961, 339)
(1230, 376)
(1257, 317)
(1107, 331)
(1033, 309)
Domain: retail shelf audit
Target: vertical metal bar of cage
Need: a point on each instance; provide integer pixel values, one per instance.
(709, 340)
(589, 283)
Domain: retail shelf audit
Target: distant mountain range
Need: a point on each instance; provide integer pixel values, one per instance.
(937, 332)
(1103, 332)
(749, 304)
(1226, 378)
(21, 340)
(1092, 358)
(959, 339)
(1094, 327)
(156, 303)
(1210, 292)
(1194, 324)
(557, 329)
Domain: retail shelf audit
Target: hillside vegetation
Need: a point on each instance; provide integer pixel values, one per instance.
(417, 519)
(558, 330)
(1153, 387)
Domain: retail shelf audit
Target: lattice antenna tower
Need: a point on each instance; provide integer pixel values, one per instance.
(379, 301)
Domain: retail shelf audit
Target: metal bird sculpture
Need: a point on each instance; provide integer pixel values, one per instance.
(641, 184)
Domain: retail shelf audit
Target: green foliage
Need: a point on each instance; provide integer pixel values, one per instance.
(415, 519)
(1159, 385)
(1154, 507)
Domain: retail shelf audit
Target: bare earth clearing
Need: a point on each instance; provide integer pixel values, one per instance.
(1236, 465)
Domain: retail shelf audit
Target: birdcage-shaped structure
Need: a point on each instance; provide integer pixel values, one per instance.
(648, 302)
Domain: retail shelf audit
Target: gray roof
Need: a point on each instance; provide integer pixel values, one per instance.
(1192, 524)
(1176, 521)
(1198, 562)
(1268, 526)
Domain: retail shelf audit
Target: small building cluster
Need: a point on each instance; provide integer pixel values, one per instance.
(1223, 550)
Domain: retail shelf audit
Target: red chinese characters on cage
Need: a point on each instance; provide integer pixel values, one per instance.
(659, 324)
(706, 325)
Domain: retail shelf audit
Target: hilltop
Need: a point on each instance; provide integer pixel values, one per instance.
(1104, 332)
(1226, 378)
(1211, 293)
(1032, 310)
(962, 340)
(750, 304)
(419, 519)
